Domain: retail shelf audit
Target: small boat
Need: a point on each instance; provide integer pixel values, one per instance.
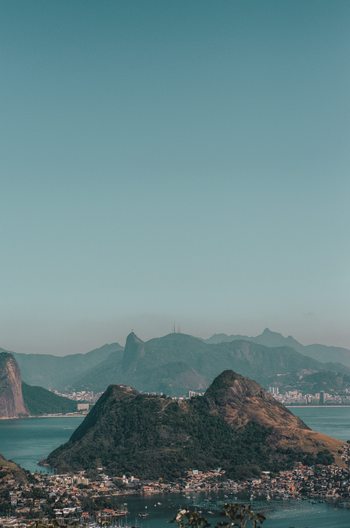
(143, 514)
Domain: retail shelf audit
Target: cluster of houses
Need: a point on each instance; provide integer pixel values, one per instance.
(320, 482)
(75, 497)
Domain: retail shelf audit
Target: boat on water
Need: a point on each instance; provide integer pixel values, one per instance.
(143, 515)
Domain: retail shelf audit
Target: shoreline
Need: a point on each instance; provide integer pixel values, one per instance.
(316, 406)
(69, 415)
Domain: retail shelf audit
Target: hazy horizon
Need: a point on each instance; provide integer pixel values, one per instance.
(173, 162)
(144, 335)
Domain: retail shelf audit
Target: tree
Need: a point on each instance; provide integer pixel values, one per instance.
(238, 514)
(190, 519)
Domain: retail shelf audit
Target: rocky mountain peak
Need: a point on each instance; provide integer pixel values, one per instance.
(238, 400)
(134, 349)
(11, 398)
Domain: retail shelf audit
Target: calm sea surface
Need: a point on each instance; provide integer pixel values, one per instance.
(28, 440)
(332, 421)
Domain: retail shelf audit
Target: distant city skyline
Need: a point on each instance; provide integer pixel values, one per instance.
(168, 162)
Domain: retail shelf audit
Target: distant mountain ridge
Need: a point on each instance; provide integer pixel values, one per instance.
(236, 425)
(176, 363)
(323, 353)
(59, 372)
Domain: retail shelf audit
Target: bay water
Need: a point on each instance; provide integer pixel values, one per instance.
(28, 440)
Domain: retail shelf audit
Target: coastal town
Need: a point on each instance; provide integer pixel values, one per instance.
(287, 397)
(296, 397)
(90, 497)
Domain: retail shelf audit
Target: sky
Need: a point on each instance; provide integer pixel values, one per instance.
(173, 162)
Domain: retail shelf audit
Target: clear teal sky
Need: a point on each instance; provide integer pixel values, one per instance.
(171, 162)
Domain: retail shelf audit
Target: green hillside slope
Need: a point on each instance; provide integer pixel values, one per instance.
(9, 470)
(40, 401)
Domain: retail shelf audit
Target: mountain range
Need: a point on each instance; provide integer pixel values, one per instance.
(236, 425)
(177, 363)
(322, 353)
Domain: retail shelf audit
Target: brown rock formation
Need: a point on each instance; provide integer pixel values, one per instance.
(238, 400)
(11, 399)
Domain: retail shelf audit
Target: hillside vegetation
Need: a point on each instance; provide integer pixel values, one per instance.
(237, 425)
(9, 470)
(40, 401)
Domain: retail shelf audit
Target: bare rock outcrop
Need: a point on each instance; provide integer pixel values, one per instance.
(11, 398)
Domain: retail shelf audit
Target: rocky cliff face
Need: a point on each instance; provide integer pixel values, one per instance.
(134, 350)
(11, 399)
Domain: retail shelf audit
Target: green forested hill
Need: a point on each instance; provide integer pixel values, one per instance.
(236, 425)
(41, 401)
